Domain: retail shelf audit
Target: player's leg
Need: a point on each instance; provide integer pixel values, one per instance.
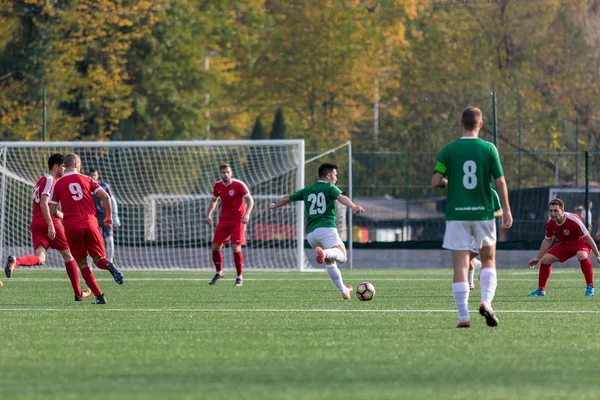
(77, 246)
(474, 252)
(90, 280)
(39, 232)
(238, 239)
(328, 238)
(60, 244)
(588, 271)
(457, 238)
(558, 252)
(485, 239)
(94, 243)
(221, 237)
(109, 242)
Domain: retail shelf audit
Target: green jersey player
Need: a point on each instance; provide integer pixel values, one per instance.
(468, 167)
(321, 231)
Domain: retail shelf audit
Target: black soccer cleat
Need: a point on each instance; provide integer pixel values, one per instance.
(488, 313)
(239, 281)
(99, 300)
(215, 278)
(114, 271)
(11, 264)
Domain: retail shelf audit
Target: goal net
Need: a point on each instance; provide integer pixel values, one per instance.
(163, 190)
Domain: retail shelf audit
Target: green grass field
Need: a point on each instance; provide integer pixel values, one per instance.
(291, 336)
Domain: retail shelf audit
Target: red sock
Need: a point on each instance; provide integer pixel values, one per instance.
(588, 271)
(545, 271)
(102, 263)
(29, 260)
(239, 262)
(90, 280)
(218, 260)
(71, 267)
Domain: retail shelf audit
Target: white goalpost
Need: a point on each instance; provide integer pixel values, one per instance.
(162, 190)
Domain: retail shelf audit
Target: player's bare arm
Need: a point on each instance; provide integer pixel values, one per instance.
(280, 203)
(502, 189)
(544, 247)
(211, 208)
(348, 203)
(249, 206)
(107, 205)
(498, 213)
(47, 216)
(590, 241)
(438, 181)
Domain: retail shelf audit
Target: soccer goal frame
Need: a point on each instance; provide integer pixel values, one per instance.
(22, 163)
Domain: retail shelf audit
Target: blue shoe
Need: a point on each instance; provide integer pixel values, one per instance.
(589, 291)
(538, 292)
(116, 274)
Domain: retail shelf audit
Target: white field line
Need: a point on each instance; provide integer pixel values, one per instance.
(281, 310)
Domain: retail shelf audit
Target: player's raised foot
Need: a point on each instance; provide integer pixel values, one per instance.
(99, 300)
(464, 324)
(239, 281)
(84, 295)
(589, 291)
(215, 278)
(114, 271)
(11, 264)
(488, 313)
(346, 295)
(537, 292)
(320, 255)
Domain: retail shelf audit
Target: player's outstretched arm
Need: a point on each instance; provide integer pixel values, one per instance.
(249, 207)
(348, 203)
(280, 203)
(544, 247)
(211, 208)
(107, 205)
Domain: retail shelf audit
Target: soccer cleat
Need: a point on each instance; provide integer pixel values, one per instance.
(114, 271)
(464, 324)
(320, 255)
(348, 293)
(99, 300)
(239, 281)
(471, 286)
(11, 264)
(216, 278)
(537, 292)
(589, 291)
(84, 295)
(488, 313)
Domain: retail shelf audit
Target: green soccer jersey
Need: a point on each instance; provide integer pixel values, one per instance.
(319, 204)
(470, 164)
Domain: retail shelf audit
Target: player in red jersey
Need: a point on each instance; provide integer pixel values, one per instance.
(74, 193)
(234, 216)
(47, 231)
(573, 240)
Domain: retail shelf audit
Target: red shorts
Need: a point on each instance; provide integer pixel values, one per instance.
(235, 229)
(564, 251)
(39, 235)
(84, 240)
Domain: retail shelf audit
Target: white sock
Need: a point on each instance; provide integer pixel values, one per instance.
(336, 277)
(461, 298)
(477, 264)
(240, 277)
(488, 281)
(110, 247)
(334, 254)
(470, 276)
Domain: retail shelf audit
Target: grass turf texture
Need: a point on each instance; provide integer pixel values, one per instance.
(291, 336)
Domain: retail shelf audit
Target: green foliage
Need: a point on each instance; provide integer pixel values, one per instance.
(278, 127)
(258, 132)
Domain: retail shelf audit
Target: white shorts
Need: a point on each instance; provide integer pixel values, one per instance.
(460, 235)
(327, 238)
(474, 248)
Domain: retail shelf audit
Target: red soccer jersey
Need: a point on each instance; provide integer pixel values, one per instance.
(232, 199)
(571, 230)
(43, 187)
(74, 192)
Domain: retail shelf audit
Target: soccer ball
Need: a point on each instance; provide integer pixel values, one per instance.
(365, 291)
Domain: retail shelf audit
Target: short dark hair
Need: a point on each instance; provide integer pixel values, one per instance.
(223, 166)
(471, 116)
(55, 159)
(557, 202)
(326, 168)
(92, 170)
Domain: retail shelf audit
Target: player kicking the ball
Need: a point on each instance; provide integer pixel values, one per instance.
(232, 221)
(321, 232)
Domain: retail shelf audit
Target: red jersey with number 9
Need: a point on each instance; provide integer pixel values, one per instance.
(74, 192)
